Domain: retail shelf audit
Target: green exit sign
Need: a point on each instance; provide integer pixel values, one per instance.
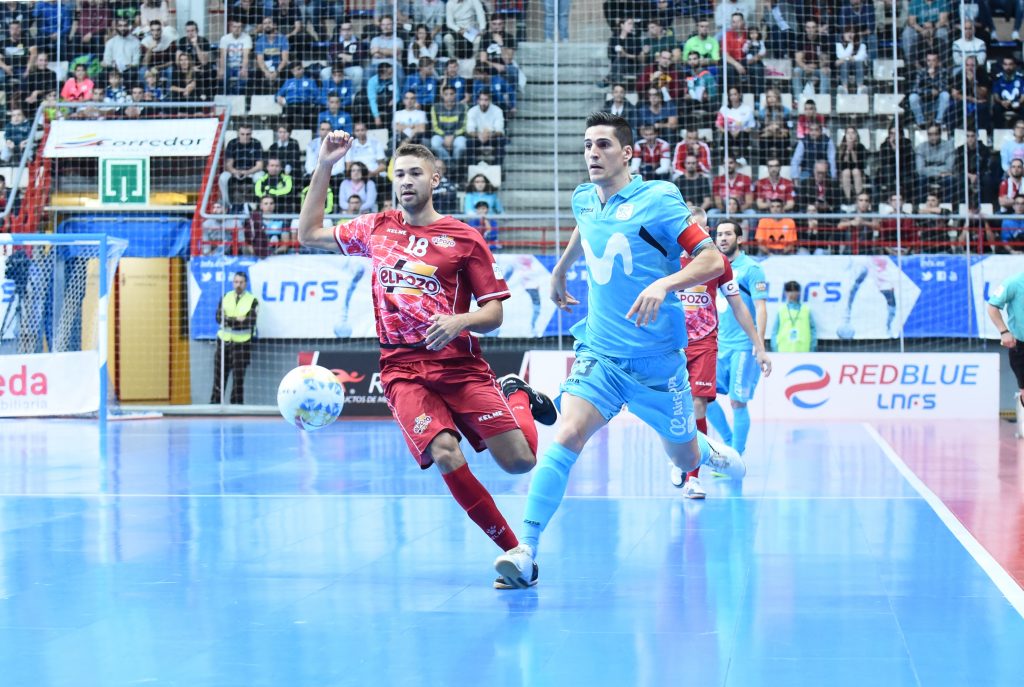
(124, 181)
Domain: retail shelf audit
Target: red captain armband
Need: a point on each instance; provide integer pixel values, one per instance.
(691, 237)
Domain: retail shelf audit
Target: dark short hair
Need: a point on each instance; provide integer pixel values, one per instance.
(623, 131)
(156, 22)
(791, 286)
(737, 227)
(243, 275)
(482, 203)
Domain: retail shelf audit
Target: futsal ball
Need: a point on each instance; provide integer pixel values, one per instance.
(310, 397)
(845, 331)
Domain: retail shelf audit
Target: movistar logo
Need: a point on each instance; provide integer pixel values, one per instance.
(601, 267)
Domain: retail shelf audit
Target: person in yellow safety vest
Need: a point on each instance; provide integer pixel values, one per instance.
(279, 186)
(794, 330)
(236, 314)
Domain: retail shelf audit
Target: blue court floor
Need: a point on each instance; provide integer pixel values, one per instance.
(242, 552)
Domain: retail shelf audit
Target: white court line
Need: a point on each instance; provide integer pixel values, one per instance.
(582, 497)
(1002, 580)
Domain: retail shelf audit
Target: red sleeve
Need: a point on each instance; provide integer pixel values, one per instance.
(485, 277)
(679, 158)
(727, 275)
(691, 237)
(353, 236)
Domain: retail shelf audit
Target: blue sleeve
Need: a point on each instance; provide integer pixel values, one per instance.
(371, 95)
(1002, 295)
(284, 43)
(774, 332)
(673, 215)
(261, 45)
(757, 283)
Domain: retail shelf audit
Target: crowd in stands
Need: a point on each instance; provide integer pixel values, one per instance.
(724, 100)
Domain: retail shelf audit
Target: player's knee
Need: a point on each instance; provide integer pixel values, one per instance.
(445, 452)
(519, 463)
(572, 435)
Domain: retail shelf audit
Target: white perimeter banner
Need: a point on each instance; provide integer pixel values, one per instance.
(871, 386)
(49, 384)
(986, 276)
(131, 137)
(546, 370)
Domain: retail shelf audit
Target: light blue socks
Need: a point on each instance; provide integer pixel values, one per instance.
(741, 428)
(716, 416)
(546, 491)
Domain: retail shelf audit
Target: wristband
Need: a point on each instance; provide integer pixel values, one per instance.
(1005, 331)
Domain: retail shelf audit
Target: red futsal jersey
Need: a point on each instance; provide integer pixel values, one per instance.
(700, 305)
(419, 272)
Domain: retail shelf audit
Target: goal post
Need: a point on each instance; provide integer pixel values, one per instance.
(54, 305)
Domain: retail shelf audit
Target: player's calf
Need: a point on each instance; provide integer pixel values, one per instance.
(512, 452)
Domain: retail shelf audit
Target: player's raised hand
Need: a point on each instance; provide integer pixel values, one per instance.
(647, 304)
(560, 295)
(336, 144)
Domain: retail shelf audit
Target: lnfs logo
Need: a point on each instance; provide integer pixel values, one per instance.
(820, 380)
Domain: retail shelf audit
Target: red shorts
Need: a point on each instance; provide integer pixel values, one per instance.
(701, 357)
(460, 396)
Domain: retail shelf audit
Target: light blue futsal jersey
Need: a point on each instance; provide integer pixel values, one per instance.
(630, 242)
(753, 286)
(1010, 295)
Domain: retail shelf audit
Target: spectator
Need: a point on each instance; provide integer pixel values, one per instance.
(249, 15)
(561, 8)
(811, 62)
(16, 54)
(370, 152)
(701, 92)
(774, 187)
(776, 121)
(355, 204)
(625, 53)
(1013, 148)
(465, 20)
(974, 162)
(93, 108)
(660, 114)
(820, 190)
(736, 123)
(1011, 8)
(812, 238)
(1011, 186)
(233, 59)
(754, 52)
(380, 95)
(932, 12)
(430, 13)
(485, 131)
(446, 195)
(452, 78)
(423, 83)
(152, 90)
(618, 105)
(16, 135)
(732, 184)
(215, 233)
(277, 235)
(122, 50)
(448, 126)
(338, 84)
(157, 10)
(814, 147)
(852, 157)
(705, 45)
(884, 178)
(929, 98)
(288, 19)
(403, 15)
(658, 39)
(691, 146)
(39, 80)
(932, 232)
(726, 10)
(272, 53)
(78, 88)
(335, 116)
(483, 223)
(934, 162)
(278, 185)
(1007, 93)
(793, 329)
(94, 18)
(387, 48)
(851, 51)
(479, 189)
(158, 49)
(185, 83)
(1012, 230)
(196, 47)
(299, 96)
(694, 186)
(968, 46)
(651, 155)
(494, 43)
(410, 122)
(733, 42)
(243, 160)
(286, 149)
(776, 235)
(348, 52)
(970, 92)
(357, 183)
(810, 114)
(53, 24)
(115, 91)
(780, 18)
(860, 230)
(859, 16)
(663, 77)
(313, 151)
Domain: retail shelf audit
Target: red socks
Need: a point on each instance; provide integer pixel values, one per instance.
(519, 402)
(702, 425)
(479, 505)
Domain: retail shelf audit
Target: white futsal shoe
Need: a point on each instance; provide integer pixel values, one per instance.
(693, 490)
(725, 460)
(516, 569)
(676, 476)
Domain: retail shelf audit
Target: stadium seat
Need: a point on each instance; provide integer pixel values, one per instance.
(748, 99)
(264, 106)
(491, 172)
(852, 104)
(706, 135)
(787, 100)
(236, 102)
(887, 104)
(379, 134)
(822, 100)
(885, 70)
(778, 69)
(302, 137)
(999, 137)
(264, 136)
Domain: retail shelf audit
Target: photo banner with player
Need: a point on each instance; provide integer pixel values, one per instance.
(851, 297)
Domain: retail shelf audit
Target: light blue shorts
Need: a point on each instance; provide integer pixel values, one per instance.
(738, 374)
(656, 389)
